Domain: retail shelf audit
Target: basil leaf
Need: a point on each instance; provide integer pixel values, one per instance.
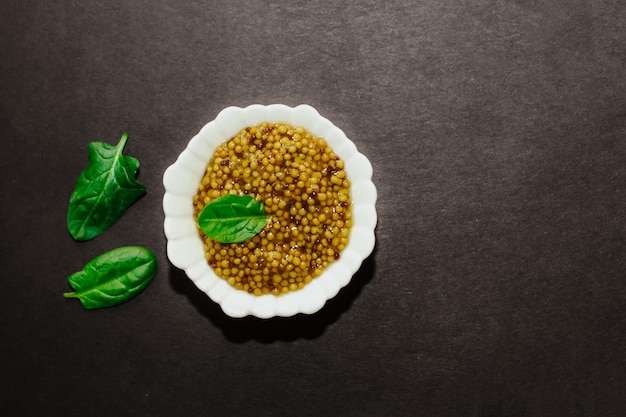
(232, 218)
(113, 277)
(105, 189)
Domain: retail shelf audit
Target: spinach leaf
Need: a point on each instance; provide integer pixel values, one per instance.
(232, 218)
(113, 277)
(105, 189)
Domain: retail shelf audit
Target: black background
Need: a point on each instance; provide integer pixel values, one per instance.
(497, 133)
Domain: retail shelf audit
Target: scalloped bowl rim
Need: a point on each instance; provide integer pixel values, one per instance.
(185, 248)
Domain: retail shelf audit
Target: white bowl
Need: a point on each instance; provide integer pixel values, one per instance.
(185, 248)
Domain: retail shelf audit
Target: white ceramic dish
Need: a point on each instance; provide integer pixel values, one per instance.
(185, 248)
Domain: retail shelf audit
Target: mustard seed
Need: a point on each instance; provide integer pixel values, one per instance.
(306, 194)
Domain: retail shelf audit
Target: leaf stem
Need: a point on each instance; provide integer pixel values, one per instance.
(123, 140)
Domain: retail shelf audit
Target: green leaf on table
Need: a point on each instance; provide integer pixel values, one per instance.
(104, 190)
(113, 277)
(232, 218)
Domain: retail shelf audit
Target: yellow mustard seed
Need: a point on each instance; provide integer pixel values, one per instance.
(306, 194)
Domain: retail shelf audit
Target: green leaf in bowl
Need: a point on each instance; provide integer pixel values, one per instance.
(232, 218)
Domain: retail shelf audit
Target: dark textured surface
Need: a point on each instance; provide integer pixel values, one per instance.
(497, 132)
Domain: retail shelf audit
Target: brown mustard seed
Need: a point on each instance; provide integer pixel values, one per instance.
(305, 191)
